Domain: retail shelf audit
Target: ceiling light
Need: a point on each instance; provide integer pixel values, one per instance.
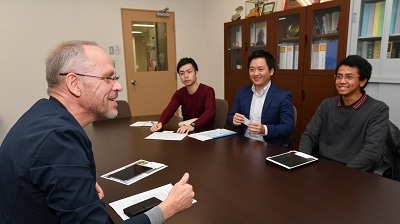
(144, 25)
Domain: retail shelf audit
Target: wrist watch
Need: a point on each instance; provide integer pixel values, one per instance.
(193, 125)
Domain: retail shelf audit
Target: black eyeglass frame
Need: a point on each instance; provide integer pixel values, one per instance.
(347, 77)
(111, 78)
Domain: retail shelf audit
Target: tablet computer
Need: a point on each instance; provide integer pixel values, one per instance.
(130, 172)
(291, 159)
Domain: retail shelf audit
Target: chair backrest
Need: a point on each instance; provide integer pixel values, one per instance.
(391, 154)
(123, 109)
(289, 141)
(295, 117)
(221, 112)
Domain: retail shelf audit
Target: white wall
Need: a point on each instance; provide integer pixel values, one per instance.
(388, 93)
(30, 29)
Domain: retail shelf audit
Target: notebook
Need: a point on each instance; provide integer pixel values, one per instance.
(291, 159)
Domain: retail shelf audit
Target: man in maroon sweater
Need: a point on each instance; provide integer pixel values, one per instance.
(197, 100)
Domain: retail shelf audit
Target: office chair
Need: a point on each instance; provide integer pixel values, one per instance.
(123, 109)
(221, 112)
(390, 167)
(290, 139)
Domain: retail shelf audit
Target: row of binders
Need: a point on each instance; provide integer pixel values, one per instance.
(323, 55)
(288, 56)
(369, 49)
(372, 49)
(372, 19)
(395, 18)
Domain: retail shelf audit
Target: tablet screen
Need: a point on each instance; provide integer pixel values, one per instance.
(130, 172)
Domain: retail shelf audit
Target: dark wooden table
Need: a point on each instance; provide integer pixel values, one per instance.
(234, 184)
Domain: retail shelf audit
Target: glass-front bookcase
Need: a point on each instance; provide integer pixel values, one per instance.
(378, 20)
(325, 38)
(375, 35)
(243, 37)
(235, 46)
(258, 36)
(370, 29)
(288, 41)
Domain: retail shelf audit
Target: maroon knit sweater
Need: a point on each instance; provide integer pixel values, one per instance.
(200, 104)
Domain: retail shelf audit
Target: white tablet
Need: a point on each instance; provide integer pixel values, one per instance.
(291, 159)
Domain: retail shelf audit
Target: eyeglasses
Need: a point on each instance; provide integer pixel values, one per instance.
(111, 78)
(347, 77)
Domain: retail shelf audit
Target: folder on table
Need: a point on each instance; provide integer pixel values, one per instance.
(212, 134)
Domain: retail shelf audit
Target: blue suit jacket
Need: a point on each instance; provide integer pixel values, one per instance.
(277, 113)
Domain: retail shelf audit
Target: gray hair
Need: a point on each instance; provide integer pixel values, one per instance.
(67, 57)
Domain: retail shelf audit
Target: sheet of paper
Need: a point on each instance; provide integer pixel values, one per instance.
(160, 193)
(143, 124)
(155, 168)
(200, 137)
(246, 121)
(166, 135)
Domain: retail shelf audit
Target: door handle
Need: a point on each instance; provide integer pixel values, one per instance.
(133, 82)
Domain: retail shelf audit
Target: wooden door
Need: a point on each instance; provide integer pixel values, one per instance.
(150, 59)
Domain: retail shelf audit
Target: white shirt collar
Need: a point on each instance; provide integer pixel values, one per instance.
(263, 91)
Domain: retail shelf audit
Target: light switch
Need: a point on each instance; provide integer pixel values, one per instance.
(117, 49)
(111, 50)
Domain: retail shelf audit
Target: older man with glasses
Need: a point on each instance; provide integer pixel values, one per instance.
(350, 128)
(48, 173)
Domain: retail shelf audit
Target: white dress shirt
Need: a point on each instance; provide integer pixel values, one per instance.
(257, 104)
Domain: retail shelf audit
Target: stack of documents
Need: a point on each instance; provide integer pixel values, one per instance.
(212, 134)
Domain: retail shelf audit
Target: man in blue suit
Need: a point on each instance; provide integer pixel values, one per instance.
(263, 111)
